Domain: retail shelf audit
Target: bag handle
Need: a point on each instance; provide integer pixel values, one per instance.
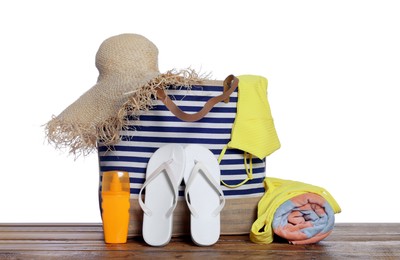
(230, 84)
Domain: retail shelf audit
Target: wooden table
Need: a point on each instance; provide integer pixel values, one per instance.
(85, 241)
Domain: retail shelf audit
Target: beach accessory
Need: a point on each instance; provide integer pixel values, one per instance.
(203, 194)
(299, 212)
(253, 131)
(115, 206)
(127, 83)
(158, 126)
(163, 176)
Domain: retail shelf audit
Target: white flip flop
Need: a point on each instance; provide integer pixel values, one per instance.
(163, 176)
(203, 194)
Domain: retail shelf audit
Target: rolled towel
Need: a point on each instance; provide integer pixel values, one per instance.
(304, 219)
(298, 212)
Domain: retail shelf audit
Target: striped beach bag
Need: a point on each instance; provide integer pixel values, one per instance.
(212, 129)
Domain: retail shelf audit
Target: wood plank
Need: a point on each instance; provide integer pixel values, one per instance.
(51, 231)
(85, 241)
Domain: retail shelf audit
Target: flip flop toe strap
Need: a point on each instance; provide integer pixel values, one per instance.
(163, 168)
(199, 168)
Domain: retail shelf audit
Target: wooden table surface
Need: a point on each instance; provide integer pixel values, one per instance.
(85, 241)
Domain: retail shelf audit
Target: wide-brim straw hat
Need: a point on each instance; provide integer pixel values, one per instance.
(127, 82)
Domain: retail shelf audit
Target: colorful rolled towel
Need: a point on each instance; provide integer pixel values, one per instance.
(298, 212)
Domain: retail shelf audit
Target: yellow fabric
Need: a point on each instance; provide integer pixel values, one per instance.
(277, 192)
(253, 131)
(248, 166)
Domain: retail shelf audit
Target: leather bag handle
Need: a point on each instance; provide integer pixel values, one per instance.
(230, 84)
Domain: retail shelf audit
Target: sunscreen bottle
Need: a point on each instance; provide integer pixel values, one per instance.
(115, 206)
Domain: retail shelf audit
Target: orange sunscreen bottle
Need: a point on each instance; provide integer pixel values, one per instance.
(115, 205)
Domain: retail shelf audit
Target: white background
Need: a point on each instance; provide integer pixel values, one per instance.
(333, 70)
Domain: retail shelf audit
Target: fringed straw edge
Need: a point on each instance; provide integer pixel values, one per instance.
(82, 139)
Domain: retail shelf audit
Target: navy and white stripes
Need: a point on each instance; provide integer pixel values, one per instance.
(159, 126)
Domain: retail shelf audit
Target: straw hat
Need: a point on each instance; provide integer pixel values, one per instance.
(128, 76)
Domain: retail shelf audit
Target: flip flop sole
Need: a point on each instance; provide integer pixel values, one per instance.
(205, 227)
(159, 196)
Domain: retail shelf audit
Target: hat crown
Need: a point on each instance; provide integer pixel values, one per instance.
(127, 56)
